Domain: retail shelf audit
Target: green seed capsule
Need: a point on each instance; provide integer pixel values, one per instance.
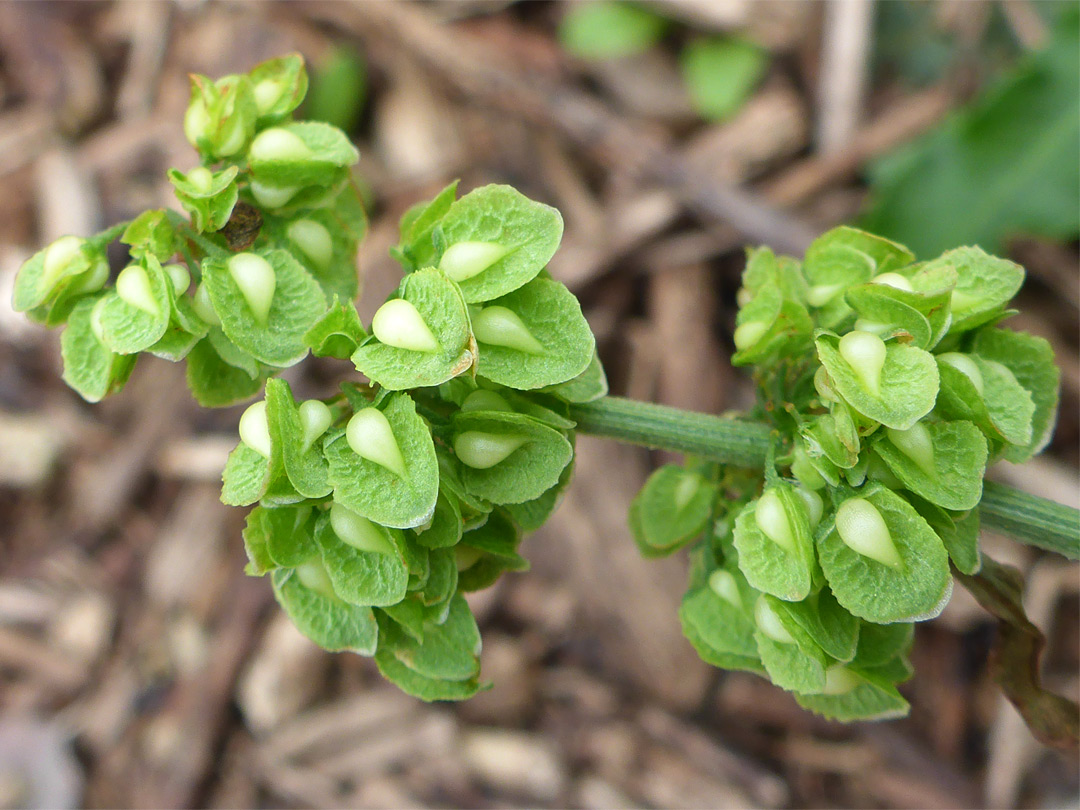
(916, 444)
(723, 584)
(894, 280)
(823, 386)
(270, 196)
(685, 490)
(772, 519)
(397, 323)
(58, 257)
(878, 328)
(769, 623)
(481, 450)
(179, 277)
(277, 144)
(204, 307)
(966, 366)
(370, 436)
(748, 334)
(201, 178)
(359, 532)
(315, 419)
(196, 122)
(863, 530)
(483, 400)
(133, 287)
(815, 507)
(254, 429)
(743, 297)
(464, 260)
(821, 294)
(805, 471)
(499, 326)
(231, 137)
(839, 680)
(865, 353)
(95, 320)
(314, 241)
(312, 575)
(466, 556)
(267, 94)
(257, 281)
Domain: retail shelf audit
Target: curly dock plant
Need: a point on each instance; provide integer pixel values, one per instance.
(823, 524)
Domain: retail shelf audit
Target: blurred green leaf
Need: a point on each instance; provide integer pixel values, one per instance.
(609, 30)
(720, 72)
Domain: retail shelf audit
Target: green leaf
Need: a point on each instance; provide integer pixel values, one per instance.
(441, 307)
(47, 290)
(328, 621)
(1005, 164)
(672, 509)
(446, 524)
(881, 643)
(959, 531)
(845, 256)
(154, 233)
(286, 533)
(943, 462)
(371, 490)
(720, 631)
(450, 651)
(255, 544)
(246, 477)
(528, 231)
(416, 248)
(588, 386)
(328, 153)
(797, 665)
(415, 684)
(984, 285)
(825, 621)
(304, 462)
(880, 593)
(527, 471)
(609, 29)
(882, 311)
(867, 701)
(768, 325)
(720, 73)
(215, 383)
(90, 367)
(994, 400)
(127, 328)
(209, 197)
(279, 85)
(337, 333)
(442, 581)
(783, 567)
(908, 382)
(551, 314)
(339, 88)
(296, 306)
(362, 577)
(486, 552)
(531, 515)
(1031, 360)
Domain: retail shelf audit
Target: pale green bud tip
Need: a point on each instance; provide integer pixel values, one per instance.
(196, 122)
(769, 623)
(315, 419)
(821, 294)
(894, 280)
(874, 327)
(270, 196)
(202, 178)
(359, 532)
(772, 520)
(370, 436)
(481, 450)
(685, 490)
(863, 530)
(257, 281)
(743, 297)
(95, 320)
(966, 366)
(133, 287)
(314, 241)
(804, 470)
(254, 429)
(232, 137)
(276, 144)
(466, 556)
(865, 353)
(312, 575)
(823, 385)
(179, 277)
(916, 444)
(58, 256)
(397, 323)
(267, 94)
(499, 326)
(204, 307)
(483, 400)
(723, 584)
(467, 259)
(839, 680)
(815, 507)
(749, 333)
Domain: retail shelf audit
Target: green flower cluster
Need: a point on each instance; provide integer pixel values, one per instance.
(890, 388)
(376, 509)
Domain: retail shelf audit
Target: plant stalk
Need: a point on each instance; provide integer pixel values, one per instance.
(1028, 518)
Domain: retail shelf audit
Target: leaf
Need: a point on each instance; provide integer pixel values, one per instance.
(210, 206)
(415, 684)
(1014, 660)
(769, 325)
(959, 531)
(881, 643)
(672, 509)
(908, 383)
(255, 544)
(416, 249)
(339, 89)
(770, 567)
(530, 231)
(984, 285)
(305, 465)
(846, 256)
(867, 701)
(439, 303)
(722, 633)
(797, 665)
(90, 367)
(878, 592)
(588, 386)
(78, 267)
(486, 552)
(330, 152)
(361, 577)
(527, 471)
(446, 524)
(337, 333)
(246, 477)
(1006, 164)
(373, 491)
(720, 73)
(1003, 409)
(825, 621)
(297, 304)
(450, 650)
(531, 515)
(285, 532)
(128, 329)
(285, 75)
(213, 382)
(1031, 360)
(609, 29)
(950, 474)
(331, 623)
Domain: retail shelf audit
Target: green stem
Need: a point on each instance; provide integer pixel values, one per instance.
(1029, 518)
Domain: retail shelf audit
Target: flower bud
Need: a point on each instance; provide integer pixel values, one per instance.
(277, 144)
(821, 294)
(203, 306)
(481, 450)
(863, 530)
(839, 680)
(196, 122)
(723, 584)
(201, 178)
(966, 366)
(865, 353)
(313, 240)
(271, 196)
(499, 326)
(464, 260)
(748, 334)
(772, 519)
(133, 287)
(359, 532)
(916, 444)
(257, 281)
(397, 323)
(370, 436)
(312, 575)
(179, 277)
(769, 623)
(483, 400)
(815, 507)
(267, 94)
(894, 280)
(254, 429)
(315, 419)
